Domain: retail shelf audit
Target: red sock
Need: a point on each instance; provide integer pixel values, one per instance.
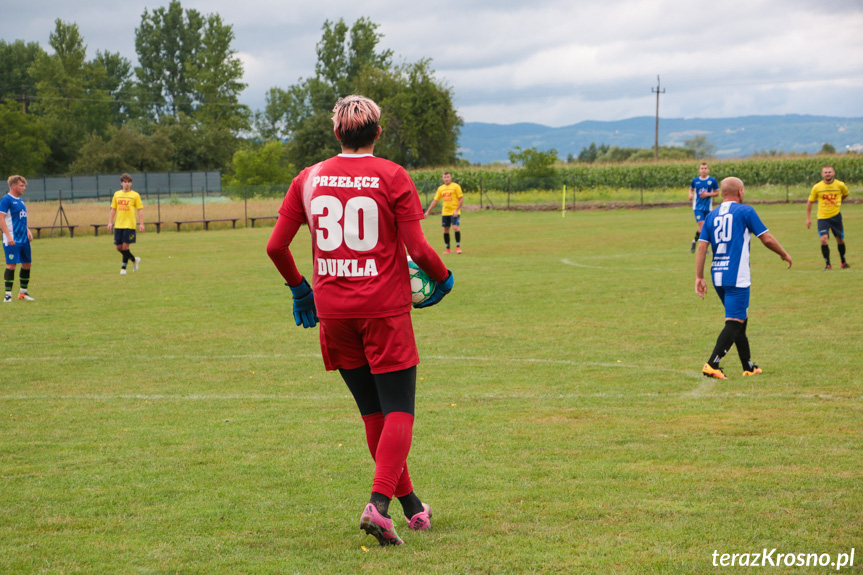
(374, 426)
(404, 486)
(392, 452)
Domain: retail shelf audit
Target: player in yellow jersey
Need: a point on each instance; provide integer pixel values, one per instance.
(453, 198)
(829, 194)
(126, 211)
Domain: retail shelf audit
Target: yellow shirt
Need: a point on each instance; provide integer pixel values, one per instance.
(451, 194)
(126, 204)
(829, 198)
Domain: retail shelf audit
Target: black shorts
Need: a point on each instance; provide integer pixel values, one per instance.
(124, 236)
(447, 221)
(835, 224)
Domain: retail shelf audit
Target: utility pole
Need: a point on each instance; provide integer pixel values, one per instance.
(657, 91)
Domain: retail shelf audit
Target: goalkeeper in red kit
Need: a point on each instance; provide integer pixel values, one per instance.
(363, 212)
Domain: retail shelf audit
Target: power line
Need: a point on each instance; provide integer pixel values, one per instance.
(155, 97)
(113, 101)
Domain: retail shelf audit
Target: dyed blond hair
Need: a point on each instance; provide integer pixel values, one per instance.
(355, 120)
(15, 180)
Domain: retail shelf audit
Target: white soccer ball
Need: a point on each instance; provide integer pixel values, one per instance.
(422, 286)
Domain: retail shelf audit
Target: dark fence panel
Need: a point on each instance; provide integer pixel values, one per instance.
(104, 185)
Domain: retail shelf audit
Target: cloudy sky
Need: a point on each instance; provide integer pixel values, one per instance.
(553, 62)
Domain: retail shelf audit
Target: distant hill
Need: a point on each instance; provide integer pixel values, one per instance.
(734, 137)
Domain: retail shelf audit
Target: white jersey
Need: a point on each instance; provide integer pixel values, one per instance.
(729, 229)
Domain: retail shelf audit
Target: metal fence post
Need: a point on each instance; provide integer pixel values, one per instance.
(642, 188)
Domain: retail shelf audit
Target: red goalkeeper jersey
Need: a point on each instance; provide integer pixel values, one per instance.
(352, 205)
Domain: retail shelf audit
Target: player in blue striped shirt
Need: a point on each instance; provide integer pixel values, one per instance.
(702, 190)
(16, 237)
(729, 229)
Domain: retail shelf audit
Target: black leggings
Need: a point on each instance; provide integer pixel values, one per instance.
(382, 392)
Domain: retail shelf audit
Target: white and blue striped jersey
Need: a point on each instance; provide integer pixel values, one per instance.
(709, 185)
(729, 229)
(14, 211)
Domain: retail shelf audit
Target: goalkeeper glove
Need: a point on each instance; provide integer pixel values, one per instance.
(440, 290)
(304, 304)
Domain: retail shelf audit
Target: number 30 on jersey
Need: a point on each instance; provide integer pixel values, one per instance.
(360, 231)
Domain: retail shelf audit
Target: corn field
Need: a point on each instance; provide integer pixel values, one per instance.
(805, 171)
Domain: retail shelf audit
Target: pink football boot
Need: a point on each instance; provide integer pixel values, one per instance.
(375, 524)
(422, 520)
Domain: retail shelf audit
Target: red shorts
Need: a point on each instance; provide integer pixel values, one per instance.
(385, 343)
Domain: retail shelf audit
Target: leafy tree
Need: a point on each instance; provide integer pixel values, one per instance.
(701, 146)
(112, 74)
(189, 82)
(615, 154)
(166, 43)
(216, 74)
(339, 63)
(313, 141)
(22, 141)
(767, 153)
(219, 117)
(419, 120)
(125, 149)
(606, 154)
(198, 146)
(262, 165)
(665, 153)
(536, 163)
(420, 125)
(71, 102)
(188, 69)
(272, 122)
(590, 154)
(827, 149)
(15, 62)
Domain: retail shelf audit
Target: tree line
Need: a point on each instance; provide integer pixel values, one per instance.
(179, 107)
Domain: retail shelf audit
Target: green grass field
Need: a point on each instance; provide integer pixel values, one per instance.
(176, 421)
